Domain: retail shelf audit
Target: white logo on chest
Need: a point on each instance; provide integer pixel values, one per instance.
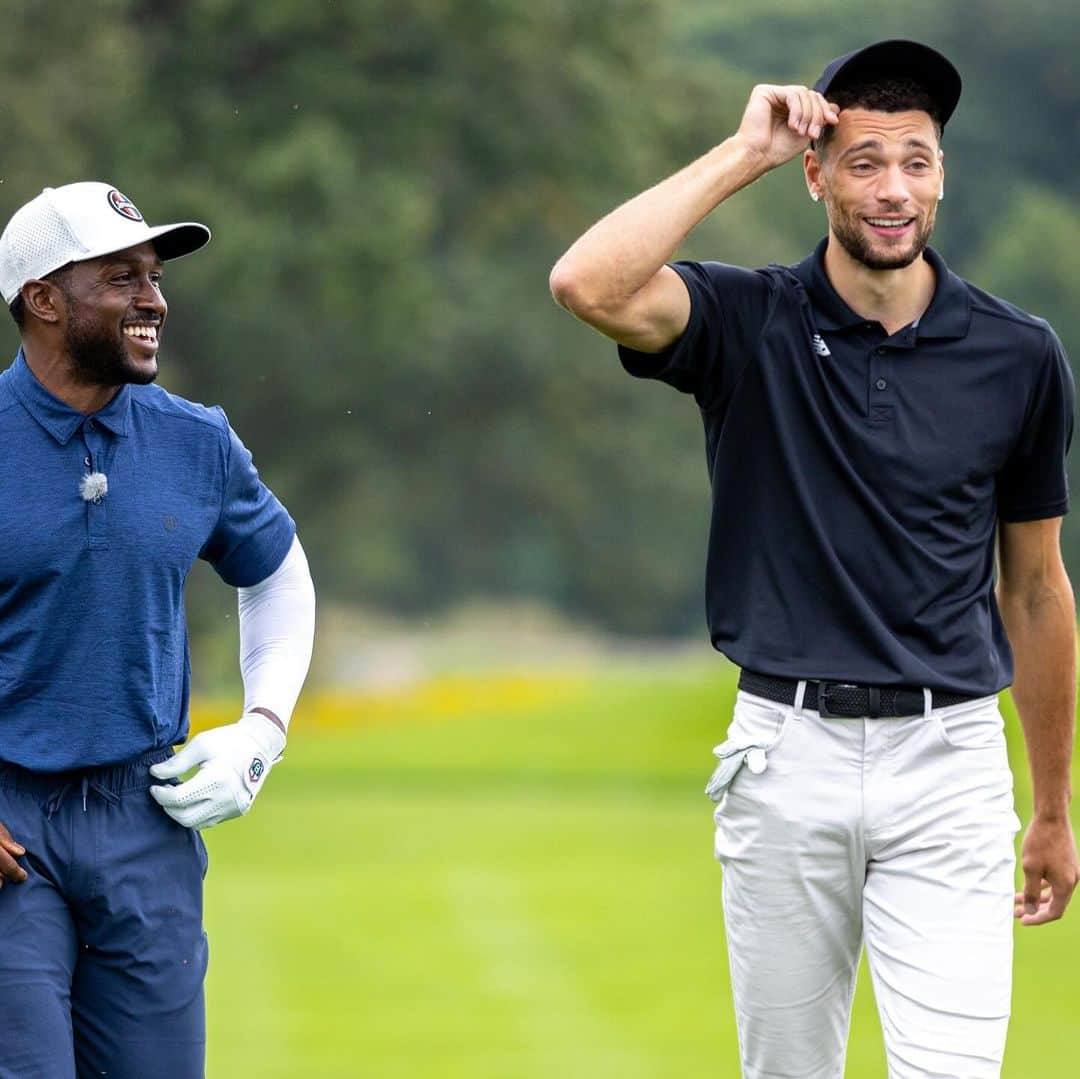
(820, 347)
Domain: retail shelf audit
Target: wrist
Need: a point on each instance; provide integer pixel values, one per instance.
(272, 716)
(268, 734)
(1052, 810)
(752, 160)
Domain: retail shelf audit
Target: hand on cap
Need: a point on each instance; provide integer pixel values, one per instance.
(780, 121)
(234, 763)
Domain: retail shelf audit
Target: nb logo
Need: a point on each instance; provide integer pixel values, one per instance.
(820, 347)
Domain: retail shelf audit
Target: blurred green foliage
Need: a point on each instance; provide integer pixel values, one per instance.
(389, 184)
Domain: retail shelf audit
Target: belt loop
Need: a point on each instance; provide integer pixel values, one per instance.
(928, 702)
(874, 703)
(800, 693)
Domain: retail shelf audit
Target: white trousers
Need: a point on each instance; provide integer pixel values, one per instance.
(896, 832)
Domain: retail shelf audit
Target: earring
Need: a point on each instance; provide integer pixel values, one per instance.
(814, 196)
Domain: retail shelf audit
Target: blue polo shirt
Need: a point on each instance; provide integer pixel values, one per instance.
(858, 476)
(93, 640)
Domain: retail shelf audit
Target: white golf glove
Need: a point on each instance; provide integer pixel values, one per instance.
(235, 762)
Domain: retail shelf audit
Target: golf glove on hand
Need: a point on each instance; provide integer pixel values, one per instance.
(235, 761)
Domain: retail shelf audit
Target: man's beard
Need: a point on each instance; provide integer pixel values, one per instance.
(99, 357)
(847, 229)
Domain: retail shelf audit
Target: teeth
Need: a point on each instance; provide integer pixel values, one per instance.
(888, 222)
(148, 333)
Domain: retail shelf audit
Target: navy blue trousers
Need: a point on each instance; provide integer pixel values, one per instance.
(102, 949)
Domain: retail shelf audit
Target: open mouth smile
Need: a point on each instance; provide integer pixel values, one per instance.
(890, 226)
(144, 333)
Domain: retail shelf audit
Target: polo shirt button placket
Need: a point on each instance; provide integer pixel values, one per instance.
(881, 410)
(96, 519)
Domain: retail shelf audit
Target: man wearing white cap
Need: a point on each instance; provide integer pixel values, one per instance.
(111, 489)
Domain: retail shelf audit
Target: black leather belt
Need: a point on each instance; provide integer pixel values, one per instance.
(845, 700)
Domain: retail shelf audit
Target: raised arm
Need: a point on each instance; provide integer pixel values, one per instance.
(615, 278)
(1036, 603)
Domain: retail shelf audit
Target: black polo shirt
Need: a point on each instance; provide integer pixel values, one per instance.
(857, 477)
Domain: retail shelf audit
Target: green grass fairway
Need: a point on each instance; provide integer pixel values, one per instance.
(522, 894)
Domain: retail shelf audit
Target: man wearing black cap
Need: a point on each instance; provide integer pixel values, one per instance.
(876, 430)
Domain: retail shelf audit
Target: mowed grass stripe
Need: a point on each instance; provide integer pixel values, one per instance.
(556, 1027)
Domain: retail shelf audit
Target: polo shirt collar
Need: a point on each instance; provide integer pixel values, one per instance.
(59, 419)
(948, 316)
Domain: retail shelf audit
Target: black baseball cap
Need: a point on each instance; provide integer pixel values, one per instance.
(892, 59)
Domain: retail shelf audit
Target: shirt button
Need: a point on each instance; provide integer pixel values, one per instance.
(881, 384)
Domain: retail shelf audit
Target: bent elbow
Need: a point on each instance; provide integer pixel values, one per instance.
(569, 291)
(562, 284)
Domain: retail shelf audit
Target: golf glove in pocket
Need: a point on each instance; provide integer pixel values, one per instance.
(731, 757)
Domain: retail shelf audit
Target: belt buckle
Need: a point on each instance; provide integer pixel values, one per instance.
(823, 699)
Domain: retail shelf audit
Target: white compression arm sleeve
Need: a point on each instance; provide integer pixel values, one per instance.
(277, 631)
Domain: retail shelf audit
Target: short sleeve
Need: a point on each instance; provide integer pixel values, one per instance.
(1033, 485)
(253, 531)
(729, 307)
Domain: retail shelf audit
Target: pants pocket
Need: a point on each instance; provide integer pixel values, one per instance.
(976, 725)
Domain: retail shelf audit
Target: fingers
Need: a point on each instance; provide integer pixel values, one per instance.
(9, 851)
(194, 753)
(808, 111)
(1048, 905)
(795, 108)
(197, 788)
(1044, 894)
(214, 794)
(1033, 883)
(189, 816)
(187, 804)
(1020, 901)
(202, 813)
(10, 869)
(9, 843)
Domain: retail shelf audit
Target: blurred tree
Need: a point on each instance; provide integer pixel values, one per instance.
(389, 184)
(1032, 257)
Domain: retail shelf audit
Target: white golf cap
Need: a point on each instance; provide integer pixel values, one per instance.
(78, 222)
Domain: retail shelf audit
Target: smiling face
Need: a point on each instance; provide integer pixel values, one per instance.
(114, 315)
(880, 176)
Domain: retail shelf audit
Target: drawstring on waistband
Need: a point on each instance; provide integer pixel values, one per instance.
(56, 799)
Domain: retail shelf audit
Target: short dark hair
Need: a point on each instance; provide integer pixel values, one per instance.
(881, 95)
(18, 308)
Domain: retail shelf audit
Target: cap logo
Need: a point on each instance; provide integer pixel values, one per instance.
(124, 206)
